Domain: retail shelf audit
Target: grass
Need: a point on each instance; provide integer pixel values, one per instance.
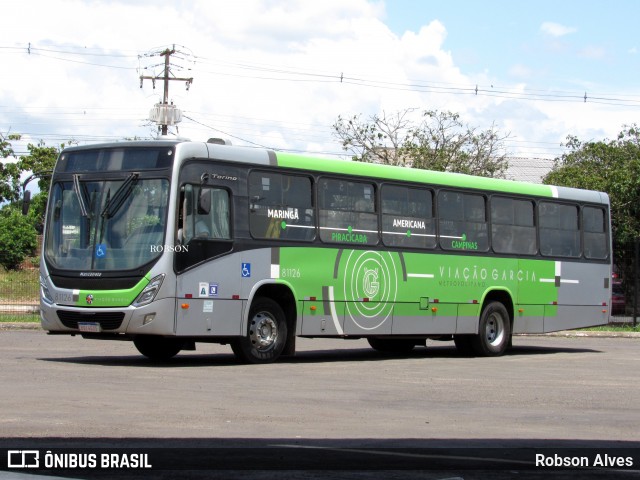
(19, 318)
(19, 286)
(613, 327)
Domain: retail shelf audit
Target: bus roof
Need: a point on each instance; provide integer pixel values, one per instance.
(262, 156)
(432, 177)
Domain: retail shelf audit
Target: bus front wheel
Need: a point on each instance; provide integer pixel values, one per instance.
(266, 333)
(494, 331)
(158, 348)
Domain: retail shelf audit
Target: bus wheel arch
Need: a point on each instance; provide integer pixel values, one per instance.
(495, 325)
(271, 326)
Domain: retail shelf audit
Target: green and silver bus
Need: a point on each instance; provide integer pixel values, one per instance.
(172, 243)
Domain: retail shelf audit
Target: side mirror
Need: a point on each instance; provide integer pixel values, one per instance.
(26, 201)
(204, 201)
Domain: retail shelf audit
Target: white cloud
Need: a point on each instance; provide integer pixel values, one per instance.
(593, 52)
(243, 50)
(266, 72)
(556, 30)
(520, 71)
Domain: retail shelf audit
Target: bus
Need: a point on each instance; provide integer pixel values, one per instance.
(172, 243)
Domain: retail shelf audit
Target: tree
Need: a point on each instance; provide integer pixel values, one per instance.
(17, 238)
(9, 171)
(438, 141)
(611, 166)
(379, 140)
(41, 159)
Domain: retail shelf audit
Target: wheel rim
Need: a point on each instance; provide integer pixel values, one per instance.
(263, 331)
(494, 329)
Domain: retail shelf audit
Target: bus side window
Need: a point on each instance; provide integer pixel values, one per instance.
(512, 226)
(347, 212)
(559, 233)
(281, 206)
(407, 217)
(595, 233)
(462, 221)
(218, 216)
(205, 214)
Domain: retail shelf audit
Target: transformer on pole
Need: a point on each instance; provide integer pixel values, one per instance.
(165, 114)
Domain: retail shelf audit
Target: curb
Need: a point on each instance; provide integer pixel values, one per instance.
(578, 334)
(20, 326)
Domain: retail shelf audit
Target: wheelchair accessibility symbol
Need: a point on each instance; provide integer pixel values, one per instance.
(246, 270)
(101, 250)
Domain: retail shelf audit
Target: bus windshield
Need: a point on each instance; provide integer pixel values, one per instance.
(99, 224)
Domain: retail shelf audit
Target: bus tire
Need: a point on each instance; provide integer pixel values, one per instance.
(158, 348)
(266, 333)
(391, 345)
(494, 331)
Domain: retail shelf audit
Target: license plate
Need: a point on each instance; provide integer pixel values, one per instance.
(89, 327)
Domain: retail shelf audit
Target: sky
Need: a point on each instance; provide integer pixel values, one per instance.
(279, 73)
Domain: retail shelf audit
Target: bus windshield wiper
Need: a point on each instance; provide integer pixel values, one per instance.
(113, 205)
(84, 211)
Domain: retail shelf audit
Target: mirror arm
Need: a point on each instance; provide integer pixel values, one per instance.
(26, 194)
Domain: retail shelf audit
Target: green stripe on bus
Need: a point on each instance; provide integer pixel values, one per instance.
(111, 298)
(405, 174)
(407, 277)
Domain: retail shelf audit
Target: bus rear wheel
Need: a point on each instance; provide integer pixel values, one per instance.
(158, 348)
(266, 333)
(494, 331)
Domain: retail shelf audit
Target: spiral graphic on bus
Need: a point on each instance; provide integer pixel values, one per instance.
(370, 286)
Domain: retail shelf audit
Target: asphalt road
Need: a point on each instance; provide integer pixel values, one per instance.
(547, 394)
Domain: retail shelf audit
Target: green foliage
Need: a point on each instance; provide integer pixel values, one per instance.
(17, 238)
(437, 141)
(629, 328)
(37, 210)
(40, 160)
(19, 318)
(611, 166)
(9, 171)
(608, 166)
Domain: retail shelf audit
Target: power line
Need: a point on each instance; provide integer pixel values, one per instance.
(420, 85)
(289, 74)
(225, 133)
(292, 74)
(82, 53)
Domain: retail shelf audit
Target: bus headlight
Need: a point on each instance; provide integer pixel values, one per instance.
(44, 291)
(150, 291)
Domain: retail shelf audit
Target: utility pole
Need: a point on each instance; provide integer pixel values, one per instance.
(165, 114)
